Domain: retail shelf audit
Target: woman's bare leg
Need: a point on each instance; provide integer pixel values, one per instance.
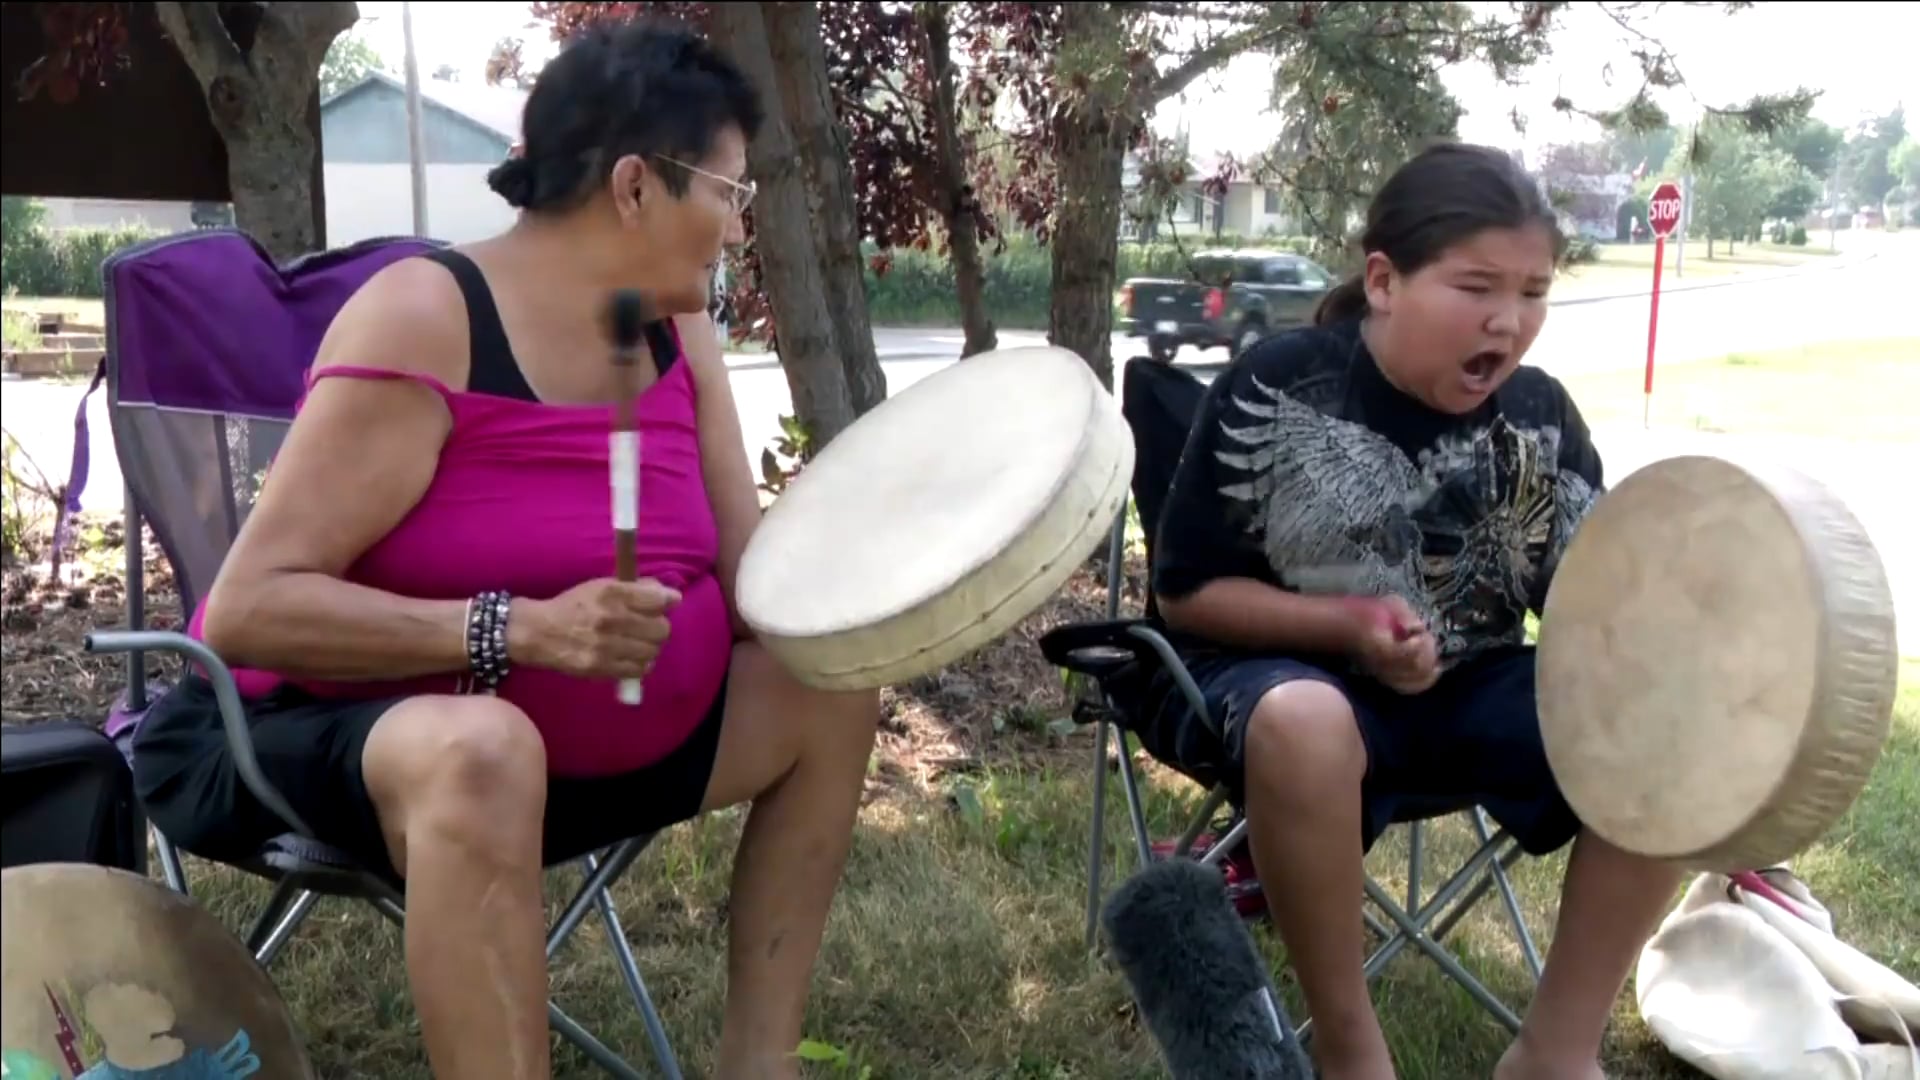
(800, 756)
(1610, 903)
(1305, 763)
(460, 787)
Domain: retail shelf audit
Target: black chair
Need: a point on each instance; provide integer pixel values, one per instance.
(1117, 656)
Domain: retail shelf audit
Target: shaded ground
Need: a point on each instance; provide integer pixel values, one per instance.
(48, 673)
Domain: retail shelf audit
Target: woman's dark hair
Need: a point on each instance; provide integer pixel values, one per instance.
(1443, 195)
(651, 88)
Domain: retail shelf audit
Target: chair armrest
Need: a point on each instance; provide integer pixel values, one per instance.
(1094, 649)
(1101, 650)
(226, 693)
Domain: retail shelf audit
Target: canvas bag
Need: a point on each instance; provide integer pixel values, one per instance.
(1745, 980)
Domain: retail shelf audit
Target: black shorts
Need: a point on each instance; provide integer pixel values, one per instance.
(310, 749)
(1472, 739)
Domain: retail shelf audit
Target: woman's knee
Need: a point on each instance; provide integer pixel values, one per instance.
(834, 718)
(445, 760)
(1303, 740)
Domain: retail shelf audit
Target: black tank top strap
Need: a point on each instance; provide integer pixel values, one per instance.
(660, 343)
(492, 368)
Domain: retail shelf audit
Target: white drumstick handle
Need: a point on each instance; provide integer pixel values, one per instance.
(625, 456)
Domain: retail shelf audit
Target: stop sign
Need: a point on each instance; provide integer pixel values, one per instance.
(1663, 209)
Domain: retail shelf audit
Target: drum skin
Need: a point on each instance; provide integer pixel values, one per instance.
(1717, 664)
(112, 976)
(938, 520)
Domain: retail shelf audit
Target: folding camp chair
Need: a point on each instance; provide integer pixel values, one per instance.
(1160, 401)
(208, 344)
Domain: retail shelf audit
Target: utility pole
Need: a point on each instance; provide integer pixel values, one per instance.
(1686, 220)
(416, 136)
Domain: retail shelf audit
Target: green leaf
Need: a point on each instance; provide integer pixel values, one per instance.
(814, 1050)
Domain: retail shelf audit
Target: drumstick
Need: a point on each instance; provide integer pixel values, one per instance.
(629, 319)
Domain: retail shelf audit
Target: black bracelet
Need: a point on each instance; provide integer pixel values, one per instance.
(487, 637)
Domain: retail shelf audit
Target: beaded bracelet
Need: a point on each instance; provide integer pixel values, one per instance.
(487, 637)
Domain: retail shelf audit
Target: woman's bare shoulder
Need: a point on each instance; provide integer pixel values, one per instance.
(408, 318)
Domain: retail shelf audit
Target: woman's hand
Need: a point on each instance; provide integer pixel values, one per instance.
(604, 629)
(1394, 646)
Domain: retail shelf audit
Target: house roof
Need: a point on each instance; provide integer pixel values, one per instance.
(495, 108)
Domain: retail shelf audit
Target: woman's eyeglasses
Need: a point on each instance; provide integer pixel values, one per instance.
(738, 194)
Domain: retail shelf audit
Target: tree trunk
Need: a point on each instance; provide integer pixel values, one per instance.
(259, 97)
(1090, 138)
(783, 236)
(1089, 152)
(800, 65)
(958, 206)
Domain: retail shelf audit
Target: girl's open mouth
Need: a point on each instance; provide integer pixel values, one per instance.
(1481, 368)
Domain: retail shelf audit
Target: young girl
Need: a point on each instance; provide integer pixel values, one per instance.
(1365, 512)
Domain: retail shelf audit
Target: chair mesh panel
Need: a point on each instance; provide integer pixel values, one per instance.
(208, 345)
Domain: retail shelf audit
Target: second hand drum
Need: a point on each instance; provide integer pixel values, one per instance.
(938, 520)
(1717, 664)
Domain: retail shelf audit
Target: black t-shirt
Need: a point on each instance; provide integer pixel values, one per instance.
(1307, 470)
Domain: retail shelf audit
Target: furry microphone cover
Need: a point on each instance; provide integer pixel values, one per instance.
(1200, 985)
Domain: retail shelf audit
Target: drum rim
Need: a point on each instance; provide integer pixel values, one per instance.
(1056, 568)
(1099, 401)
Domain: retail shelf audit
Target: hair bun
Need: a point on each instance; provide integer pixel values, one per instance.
(513, 179)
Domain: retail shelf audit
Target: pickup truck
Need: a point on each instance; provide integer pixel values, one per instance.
(1240, 297)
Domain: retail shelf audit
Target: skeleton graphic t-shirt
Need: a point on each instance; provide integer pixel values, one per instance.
(1306, 469)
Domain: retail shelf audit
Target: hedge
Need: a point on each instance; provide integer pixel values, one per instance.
(41, 262)
(916, 289)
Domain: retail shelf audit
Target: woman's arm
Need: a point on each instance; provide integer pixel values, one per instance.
(355, 461)
(723, 453)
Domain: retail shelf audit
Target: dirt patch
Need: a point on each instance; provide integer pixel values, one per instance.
(48, 673)
(1002, 705)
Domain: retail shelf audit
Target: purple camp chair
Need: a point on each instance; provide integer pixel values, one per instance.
(208, 344)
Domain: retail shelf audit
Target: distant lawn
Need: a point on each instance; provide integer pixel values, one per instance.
(1629, 267)
(1867, 390)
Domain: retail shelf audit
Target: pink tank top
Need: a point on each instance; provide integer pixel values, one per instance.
(520, 502)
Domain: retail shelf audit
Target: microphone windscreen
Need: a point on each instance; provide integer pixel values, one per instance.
(1201, 986)
(628, 316)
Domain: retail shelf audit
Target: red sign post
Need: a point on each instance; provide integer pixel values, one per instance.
(1663, 216)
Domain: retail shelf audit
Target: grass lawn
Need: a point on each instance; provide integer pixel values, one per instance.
(1629, 267)
(955, 945)
(1862, 390)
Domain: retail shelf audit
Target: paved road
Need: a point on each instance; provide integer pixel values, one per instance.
(1867, 298)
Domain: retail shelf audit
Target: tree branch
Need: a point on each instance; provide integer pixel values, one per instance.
(1209, 57)
(200, 37)
(306, 29)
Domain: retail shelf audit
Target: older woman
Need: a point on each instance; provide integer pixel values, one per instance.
(423, 605)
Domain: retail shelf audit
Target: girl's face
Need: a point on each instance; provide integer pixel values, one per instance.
(1453, 331)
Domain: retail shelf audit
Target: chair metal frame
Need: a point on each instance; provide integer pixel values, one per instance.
(302, 868)
(1096, 650)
